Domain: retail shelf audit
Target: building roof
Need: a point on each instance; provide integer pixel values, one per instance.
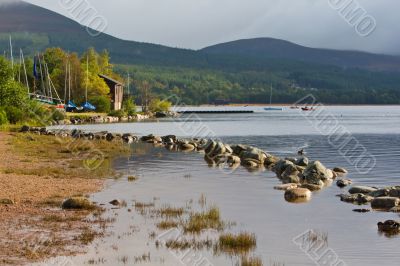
(107, 78)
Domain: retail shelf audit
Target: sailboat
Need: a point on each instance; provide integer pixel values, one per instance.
(270, 103)
(87, 106)
(70, 106)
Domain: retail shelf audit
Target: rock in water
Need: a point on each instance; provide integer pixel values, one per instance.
(389, 226)
(355, 198)
(316, 172)
(361, 189)
(78, 203)
(385, 203)
(281, 166)
(298, 195)
(340, 170)
(116, 202)
(343, 183)
(285, 187)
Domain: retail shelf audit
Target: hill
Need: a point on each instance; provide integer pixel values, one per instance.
(239, 71)
(268, 48)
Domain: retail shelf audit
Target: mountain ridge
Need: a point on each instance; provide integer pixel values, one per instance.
(35, 28)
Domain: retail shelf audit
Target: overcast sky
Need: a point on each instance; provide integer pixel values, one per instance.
(199, 23)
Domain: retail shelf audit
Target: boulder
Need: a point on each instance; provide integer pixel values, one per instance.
(385, 203)
(343, 183)
(187, 147)
(356, 198)
(340, 170)
(383, 192)
(298, 195)
(237, 149)
(253, 154)
(303, 161)
(316, 172)
(312, 187)
(395, 209)
(250, 163)
(394, 192)
(233, 160)
(79, 203)
(281, 166)
(291, 175)
(110, 137)
(271, 160)
(389, 226)
(361, 189)
(286, 186)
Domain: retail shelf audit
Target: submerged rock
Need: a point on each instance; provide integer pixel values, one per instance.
(389, 226)
(355, 198)
(343, 183)
(298, 195)
(79, 203)
(340, 170)
(116, 202)
(361, 189)
(286, 186)
(361, 210)
(312, 187)
(385, 203)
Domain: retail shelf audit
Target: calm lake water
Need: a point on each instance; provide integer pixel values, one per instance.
(248, 198)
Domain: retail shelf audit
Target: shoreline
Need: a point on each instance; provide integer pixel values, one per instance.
(299, 177)
(37, 173)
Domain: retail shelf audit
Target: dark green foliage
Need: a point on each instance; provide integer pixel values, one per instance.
(57, 115)
(129, 106)
(3, 117)
(14, 114)
(102, 103)
(117, 113)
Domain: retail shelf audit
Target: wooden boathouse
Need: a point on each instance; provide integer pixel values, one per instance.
(116, 91)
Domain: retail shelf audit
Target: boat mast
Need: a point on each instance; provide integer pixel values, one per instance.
(12, 57)
(87, 75)
(129, 81)
(24, 67)
(270, 97)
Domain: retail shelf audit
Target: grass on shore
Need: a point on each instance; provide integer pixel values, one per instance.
(251, 261)
(241, 243)
(210, 219)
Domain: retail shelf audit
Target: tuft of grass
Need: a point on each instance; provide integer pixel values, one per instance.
(87, 236)
(183, 244)
(237, 244)
(132, 178)
(170, 212)
(164, 225)
(251, 261)
(210, 219)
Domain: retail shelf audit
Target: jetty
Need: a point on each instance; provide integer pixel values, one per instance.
(216, 112)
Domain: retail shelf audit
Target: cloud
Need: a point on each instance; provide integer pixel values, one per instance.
(196, 24)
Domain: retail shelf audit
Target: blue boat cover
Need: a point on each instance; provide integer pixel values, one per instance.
(89, 106)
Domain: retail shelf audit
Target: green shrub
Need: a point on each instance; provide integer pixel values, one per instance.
(158, 105)
(117, 113)
(102, 103)
(3, 117)
(57, 115)
(129, 106)
(14, 114)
